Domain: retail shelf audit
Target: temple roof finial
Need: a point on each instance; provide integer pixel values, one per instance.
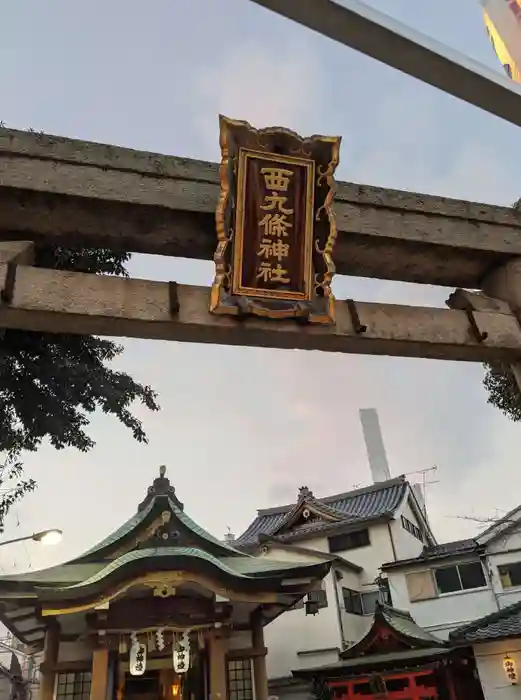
(304, 492)
(161, 486)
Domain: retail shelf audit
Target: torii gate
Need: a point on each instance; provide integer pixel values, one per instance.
(62, 191)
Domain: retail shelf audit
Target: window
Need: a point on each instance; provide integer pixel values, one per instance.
(510, 574)
(420, 585)
(350, 540)
(73, 686)
(411, 528)
(240, 685)
(320, 597)
(358, 603)
(462, 577)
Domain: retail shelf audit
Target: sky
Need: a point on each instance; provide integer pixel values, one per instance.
(243, 428)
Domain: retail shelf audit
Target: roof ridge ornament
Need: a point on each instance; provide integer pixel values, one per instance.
(304, 492)
(161, 486)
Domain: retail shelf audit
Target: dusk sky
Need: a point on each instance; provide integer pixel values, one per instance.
(240, 428)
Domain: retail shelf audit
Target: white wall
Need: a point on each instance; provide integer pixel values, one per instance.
(295, 640)
(446, 612)
(406, 545)
(295, 632)
(371, 557)
(489, 661)
(505, 550)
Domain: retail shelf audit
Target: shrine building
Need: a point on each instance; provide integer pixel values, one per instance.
(159, 609)
(398, 660)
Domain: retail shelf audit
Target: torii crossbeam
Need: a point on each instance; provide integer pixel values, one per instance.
(60, 191)
(375, 34)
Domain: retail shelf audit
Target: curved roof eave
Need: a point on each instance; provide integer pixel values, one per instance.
(169, 558)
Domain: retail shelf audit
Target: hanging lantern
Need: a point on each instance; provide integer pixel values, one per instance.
(510, 669)
(181, 656)
(138, 659)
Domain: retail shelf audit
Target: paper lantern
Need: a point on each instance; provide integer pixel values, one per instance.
(509, 667)
(138, 659)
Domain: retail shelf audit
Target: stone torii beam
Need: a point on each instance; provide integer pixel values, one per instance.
(64, 191)
(60, 191)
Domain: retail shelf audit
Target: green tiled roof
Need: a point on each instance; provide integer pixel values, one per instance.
(244, 567)
(259, 565)
(157, 552)
(118, 534)
(402, 622)
(63, 573)
(140, 516)
(198, 530)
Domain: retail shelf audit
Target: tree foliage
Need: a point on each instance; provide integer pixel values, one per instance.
(12, 487)
(50, 384)
(503, 392)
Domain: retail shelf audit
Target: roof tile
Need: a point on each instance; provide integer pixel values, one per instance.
(497, 625)
(374, 501)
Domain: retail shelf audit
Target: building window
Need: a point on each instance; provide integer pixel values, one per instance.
(319, 597)
(411, 528)
(420, 585)
(462, 577)
(73, 686)
(240, 686)
(357, 603)
(349, 540)
(510, 574)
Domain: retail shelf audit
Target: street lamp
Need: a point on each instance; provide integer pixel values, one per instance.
(44, 537)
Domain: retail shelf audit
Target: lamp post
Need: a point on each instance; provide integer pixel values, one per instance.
(47, 537)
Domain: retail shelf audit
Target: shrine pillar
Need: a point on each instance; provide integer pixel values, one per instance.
(260, 674)
(100, 674)
(218, 645)
(50, 659)
(505, 283)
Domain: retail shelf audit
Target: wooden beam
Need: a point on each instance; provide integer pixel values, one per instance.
(54, 301)
(67, 192)
(383, 38)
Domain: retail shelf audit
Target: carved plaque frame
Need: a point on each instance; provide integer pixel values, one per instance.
(312, 162)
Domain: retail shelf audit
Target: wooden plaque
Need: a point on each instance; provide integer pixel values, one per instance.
(275, 224)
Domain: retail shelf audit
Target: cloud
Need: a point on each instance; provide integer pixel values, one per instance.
(263, 82)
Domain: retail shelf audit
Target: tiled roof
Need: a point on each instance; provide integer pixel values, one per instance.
(160, 490)
(402, 622)
(498, 625)
(448, 548)
(375, 501)
(241, 567)
(437, 551)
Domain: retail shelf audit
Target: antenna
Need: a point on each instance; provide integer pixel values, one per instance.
(424, 483)
(374, 444)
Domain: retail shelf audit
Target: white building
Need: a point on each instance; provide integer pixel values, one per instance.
(469, 592)
(361, 529)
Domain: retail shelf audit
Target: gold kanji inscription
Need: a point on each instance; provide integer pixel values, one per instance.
(276, 225)
(276, 179)
(276, 201)
(268, 273)
(273, 248)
